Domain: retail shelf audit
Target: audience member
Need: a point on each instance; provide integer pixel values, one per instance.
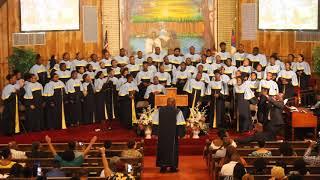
(6, 159)
(277, 173)
(286, 149)
(227, 169)
(260, 132)
(219, 144)
(299, 167)
(36, 151)
(16, 171)
(312, 160)
(261, 151)
(16, 154)
(68, 158)
(230, 150)
(238, 171)
(131, 152)
(247, 177)
(56, 171)
(260, 166)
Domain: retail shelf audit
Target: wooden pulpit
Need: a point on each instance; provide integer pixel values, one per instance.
(161, 99)
(303, 119)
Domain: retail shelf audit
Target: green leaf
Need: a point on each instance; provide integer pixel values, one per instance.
(22, 59)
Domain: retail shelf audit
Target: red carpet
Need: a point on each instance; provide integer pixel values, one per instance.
(118, 133)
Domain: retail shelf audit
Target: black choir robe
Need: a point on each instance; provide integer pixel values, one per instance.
(195, 90)
(127, 113)
(75, 95)
(41, 72)
(276, 120)
(10, 117)
(33, 97)
(54, 93)
(112, 98)
(100, 100)
(217, 106)
(180, 79)
(168, 124)
(88, 105)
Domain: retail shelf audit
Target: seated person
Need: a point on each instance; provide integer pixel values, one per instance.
(238, 171)
(6, 159)
(117, 170)
(259, 166)
(227, 169)
(107, 145)
(56, 170)
(286, 149)
(230, 150)
(299, 167)
(277, 173)
(68, 158)
(218, 145)
(131, 152)
(72, 146)
(261, 151)
(312, 159)
(16, 154)
(36, 151)
(260, 132)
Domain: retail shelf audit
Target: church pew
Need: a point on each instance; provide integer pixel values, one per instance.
(63, 146)
(267, 177)
(276, 144)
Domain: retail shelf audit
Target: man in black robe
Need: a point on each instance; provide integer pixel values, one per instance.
(168, 125)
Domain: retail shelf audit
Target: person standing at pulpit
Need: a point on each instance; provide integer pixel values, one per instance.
(33, 101)
(287, 80)
(127, 95)
(75, 94)
(55, 97)
(143, 80)
(154, 89)
(217, 89)
(10, 119)
(180, 78)
(168, 125)
(195, 89)
(275, 119)
(40, 71)
(164, 77)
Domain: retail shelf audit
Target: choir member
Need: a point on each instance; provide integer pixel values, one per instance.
(164, 77)
(169, 68)
(254, 82)
(111, 96)
(127, 92)
(139, 59)
(143, 80)
(100, 100)
(75, 94)
(268, 85)
(154, 89)
(229, 69)
(278, 61)
(217, 89)
(133, 67)
(245, 69)
(195, 58)
(287, 79)
(303, 72)
(106, 58)
(66, 60)
(10, 119)
(88, 105)
(20, 81)
(272, 67)
(151, 66)
(176, 59)
(123, 79)
(94, 62)
(53, 64)
(180, 78)
(204, 76)
(157, 56)
(63, 73)
(33, 101)
(239, 56)
(243, 95)
(102, 68)
(90, 71)
(122, 59)
(257, 58)
(81, 71)
(54, 93)
(117, 70)
(79, 61)
(206, 66)
(292, 59)
(190, 68)
(195, 89)
(215, 65)
(39, 70)
(209, 56)
(223, 53)
(259, 71)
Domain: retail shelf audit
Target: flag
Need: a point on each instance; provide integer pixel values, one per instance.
(106, 43)
(233, 39)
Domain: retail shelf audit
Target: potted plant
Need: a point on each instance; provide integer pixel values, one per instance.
(145, 121)
(196, 121)
(22, 59)
(316, 59)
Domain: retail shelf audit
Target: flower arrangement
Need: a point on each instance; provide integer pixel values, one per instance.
(196, 121)
(145, 119)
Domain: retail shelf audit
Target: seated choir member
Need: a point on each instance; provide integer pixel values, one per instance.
(54, 93)
(293, 60)
(243, 95)
(154, 89)
(287, 79)
(143, 80)
(303, 72)
(206, 66)
(169, 68)
(100, 98)
(88, 105)
(10, 120)
(63, 74)
(217, 89)
(180, 78)
(40, 71)
(217, 64)
(66, 60)
(75, 94)
(127, 95)
(239, 56)
(90, 71)
(195, 89)
(123, 79)
(33, 101)
(81, 71)
(164, 77)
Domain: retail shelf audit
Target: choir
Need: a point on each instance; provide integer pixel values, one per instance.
(71, 92)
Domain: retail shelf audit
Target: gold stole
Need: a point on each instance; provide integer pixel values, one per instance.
(17, 125)
(133, 111)
(194, 98)
(64, 126)
(215, 112)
